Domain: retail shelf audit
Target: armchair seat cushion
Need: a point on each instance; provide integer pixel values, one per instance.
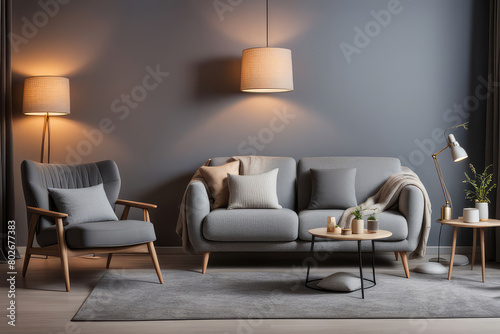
(101, 234)
(251, 225)
(388, 220)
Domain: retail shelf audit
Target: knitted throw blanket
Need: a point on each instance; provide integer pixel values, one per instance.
(387, 196)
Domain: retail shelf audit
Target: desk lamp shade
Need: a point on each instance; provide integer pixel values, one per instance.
(457, 152)
(46, 95)
(266, 70)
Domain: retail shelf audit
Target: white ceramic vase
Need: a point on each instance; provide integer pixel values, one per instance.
(358, 226)
(471, 215)
(483, 210)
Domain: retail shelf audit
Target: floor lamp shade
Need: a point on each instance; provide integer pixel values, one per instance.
(266, 70)
(46, 95)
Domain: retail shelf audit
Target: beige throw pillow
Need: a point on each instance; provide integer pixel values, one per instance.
(216, 179)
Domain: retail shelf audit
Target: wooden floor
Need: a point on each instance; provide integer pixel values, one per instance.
(44, 307)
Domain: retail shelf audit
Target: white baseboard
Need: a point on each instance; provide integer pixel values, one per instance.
(433, 250)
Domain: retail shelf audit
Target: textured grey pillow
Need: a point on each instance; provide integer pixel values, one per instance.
(83, 205)
(256, 191)
(333, 188)
(344, 282)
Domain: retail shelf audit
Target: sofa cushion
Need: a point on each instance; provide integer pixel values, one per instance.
(333, 188)
(251, 225)
(101, 234)
(253, 191)
(371, 173)
(216, 180)
(83, 205)
(286, 177)
(389, 220)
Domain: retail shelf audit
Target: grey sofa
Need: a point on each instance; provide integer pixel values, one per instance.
(286, 230)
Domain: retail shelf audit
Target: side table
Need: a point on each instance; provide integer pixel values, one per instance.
(456, 223)
(322, 233)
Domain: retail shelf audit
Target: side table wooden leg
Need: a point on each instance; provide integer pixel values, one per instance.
(474, 237)
(481, 232)
(452, 252)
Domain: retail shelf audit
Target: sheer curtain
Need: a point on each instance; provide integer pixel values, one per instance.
(493, 122)
(6, 166)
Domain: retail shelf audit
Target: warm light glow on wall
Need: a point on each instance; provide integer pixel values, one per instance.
(266, 70)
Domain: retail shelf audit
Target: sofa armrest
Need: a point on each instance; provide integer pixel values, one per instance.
(411, 205)
(197, 207)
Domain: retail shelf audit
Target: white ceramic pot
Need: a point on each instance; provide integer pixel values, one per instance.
(471, 215)
(358, 226)
(483, 210)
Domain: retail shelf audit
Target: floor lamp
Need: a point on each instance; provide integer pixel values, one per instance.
(457, 154)
(46, 96)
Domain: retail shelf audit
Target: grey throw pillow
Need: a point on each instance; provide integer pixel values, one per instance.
(256, 191)
(344, 282)
(333, 188)
(83, 205)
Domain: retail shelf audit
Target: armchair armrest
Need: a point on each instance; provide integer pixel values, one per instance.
(139, 205)
(46, 213)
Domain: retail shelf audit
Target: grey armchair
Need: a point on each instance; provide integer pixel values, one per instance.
(59, 239)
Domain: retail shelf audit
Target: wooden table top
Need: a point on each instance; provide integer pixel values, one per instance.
(461, 223)
(322, 233)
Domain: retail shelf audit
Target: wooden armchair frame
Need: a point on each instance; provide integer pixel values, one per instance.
(62, 251)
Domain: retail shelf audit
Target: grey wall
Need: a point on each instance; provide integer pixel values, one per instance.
(409, 79)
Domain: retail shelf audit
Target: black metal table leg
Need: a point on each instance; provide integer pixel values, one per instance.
(309, 263)
(373, 261)
(361, 269)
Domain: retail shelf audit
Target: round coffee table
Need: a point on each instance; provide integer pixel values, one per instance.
(456, 223)
(322, 233)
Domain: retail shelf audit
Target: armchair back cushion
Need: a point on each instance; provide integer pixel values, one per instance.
(371, 173)
(83, 205)
(38, 177)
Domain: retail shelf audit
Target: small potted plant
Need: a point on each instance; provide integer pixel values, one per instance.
(358, 224)
(337, 230)
(372, 224)
(481, 187)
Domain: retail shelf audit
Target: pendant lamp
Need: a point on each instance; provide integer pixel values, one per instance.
(266, 70)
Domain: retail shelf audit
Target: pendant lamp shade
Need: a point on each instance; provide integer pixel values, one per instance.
(266, 70)
(46, 94)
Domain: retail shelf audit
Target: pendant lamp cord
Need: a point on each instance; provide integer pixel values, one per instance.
(267, 23)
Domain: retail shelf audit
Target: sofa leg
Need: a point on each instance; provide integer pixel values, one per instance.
(396, 254)
(205, 262)
(404, 259)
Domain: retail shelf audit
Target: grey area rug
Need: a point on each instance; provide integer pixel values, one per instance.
(131, 295)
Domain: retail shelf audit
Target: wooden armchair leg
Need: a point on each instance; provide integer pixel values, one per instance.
(404, 259)
(27, 258)
(206, 256)
(396, 254)
(110, 255)
(31, 237)
(152, 251)
(63, 251)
